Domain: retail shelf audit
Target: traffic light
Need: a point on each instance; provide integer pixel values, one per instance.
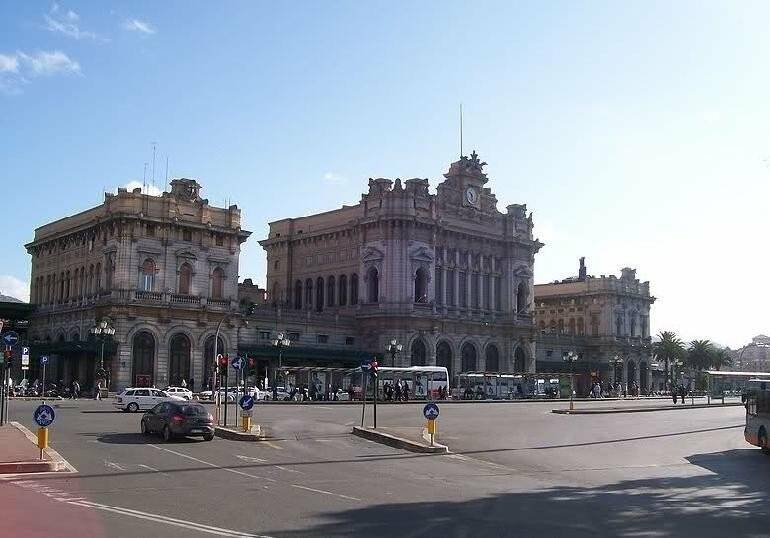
(8, 354)
(223, 360)
(252, 362)
(373, 368)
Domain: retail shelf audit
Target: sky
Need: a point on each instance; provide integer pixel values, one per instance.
(636, 132)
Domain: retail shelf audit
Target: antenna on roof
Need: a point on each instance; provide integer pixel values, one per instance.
(144, 178)
(154, 144)
(461, 130)
(166, 187)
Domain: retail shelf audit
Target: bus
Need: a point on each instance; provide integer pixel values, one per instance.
(424, 382)
(757, 429)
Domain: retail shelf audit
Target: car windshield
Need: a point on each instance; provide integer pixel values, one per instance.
(194, 410)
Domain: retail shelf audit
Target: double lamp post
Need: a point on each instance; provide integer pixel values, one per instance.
(571, 357)
(103, 330)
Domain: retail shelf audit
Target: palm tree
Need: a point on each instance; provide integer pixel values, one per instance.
(699, 354)
(669, 348)
(721, 357)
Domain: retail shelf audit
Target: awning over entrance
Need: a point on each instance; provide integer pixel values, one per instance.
(307, 356)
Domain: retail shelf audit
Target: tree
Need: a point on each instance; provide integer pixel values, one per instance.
(721, 357)
(699, 354)
(669, 348)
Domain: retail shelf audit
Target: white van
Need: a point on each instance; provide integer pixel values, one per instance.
(134, 399)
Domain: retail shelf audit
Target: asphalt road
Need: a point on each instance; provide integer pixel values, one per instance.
(515, 470)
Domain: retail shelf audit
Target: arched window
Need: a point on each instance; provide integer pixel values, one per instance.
(418, 353)
(468, 354)
(298, 295)
(580, 327)
(444, 357)
(561, 326)
(208, 360)
(343, 290)
(143, 359)
(147, 275)
(185, 279)
(331, 287)
(76, 283)
(217, 283)
(553, 326)
(354, 289)
(98, 288)
(319, 294)
(492, 360)
(109, 271)
(421, 286)
(633, 325)
(618, 324)
(179, 359)
(519, 360)
(91, 290)
(309, 293)
(572, 326)
(521, 298)
(594, 326)
(67, 285)
(373, 286)
(83, 282)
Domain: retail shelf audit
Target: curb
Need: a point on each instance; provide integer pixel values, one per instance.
(54, 463)
(236, 435)
(641, 409)
(398, 442)
(443, 402)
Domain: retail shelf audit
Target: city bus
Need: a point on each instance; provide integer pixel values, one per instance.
(757, 429)
(424, 382)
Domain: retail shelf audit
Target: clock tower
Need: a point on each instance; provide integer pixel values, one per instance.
(464, 186)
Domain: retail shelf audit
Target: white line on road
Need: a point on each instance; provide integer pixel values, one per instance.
(250, 459)
(213, 465)
(288, 470)
(113, 465)
(168, 520)
(324, 492)
(152, 469)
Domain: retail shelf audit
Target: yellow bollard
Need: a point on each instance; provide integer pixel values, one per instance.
(432, 427)
(246, 424)
(42, 440)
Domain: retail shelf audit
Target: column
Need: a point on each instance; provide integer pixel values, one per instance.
(444, 284)
(457, 280)
(638, 375)
(468, 283)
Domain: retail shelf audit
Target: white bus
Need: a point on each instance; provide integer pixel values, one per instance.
(757, 431)
(424, 382)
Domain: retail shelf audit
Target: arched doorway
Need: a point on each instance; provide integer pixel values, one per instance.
(179, 359)
(468, 354)
(631, 375)
(418, 353)
(143, 359)
(492, 359)
(373, 285)
(444, 357)
(519, 360)
(208, 361)
(643, 373)
(421, 286)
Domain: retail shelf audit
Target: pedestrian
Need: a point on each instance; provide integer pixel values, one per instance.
(183, 384)
(399, 390)
(673, 393)
(98, 390)
(406, 392)
(351, 392)
(75, 390)
(682, 393)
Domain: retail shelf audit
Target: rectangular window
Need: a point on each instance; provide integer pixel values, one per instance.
(349, 341)
(499, 295)
(220, 240)
(475, 299)
(264, 335)
(463, 291)
(439, 285)
(308, 261)
(276, 264)
(186, 235)
(487, 303)
(150, 230)
(343, 255)
(450, 289)
(322, 338)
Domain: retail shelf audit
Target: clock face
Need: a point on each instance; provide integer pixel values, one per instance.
(471, 195)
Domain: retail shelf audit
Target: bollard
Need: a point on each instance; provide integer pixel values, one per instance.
(246, 424)
(42, 440)
(432, 430)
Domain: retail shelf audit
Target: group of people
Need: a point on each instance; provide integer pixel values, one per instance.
(679, 391)
(396, 392)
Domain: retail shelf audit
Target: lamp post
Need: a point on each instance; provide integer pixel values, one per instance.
(102, 331)
(615, 361)
(570, 357)
(279, 343)
(393, 348)
(215, 383)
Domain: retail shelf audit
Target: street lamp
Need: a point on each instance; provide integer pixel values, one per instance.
(393, 348)
(279, 343)
(102, 331)
(615, 361)
(570, 357)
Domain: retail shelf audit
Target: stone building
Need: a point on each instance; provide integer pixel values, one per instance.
(446, 274)
(605, 320)
(163, 270)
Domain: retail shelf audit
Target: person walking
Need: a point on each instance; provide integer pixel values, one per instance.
(98, 390)
(406, 392)
(682, 393)
(183, 384)
(75, 390)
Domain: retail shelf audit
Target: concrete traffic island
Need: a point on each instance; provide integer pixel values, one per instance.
(612, 410)
(395, 437)
(19, 453)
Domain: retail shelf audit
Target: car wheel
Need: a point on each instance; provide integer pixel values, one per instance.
(762, 438)
(133, 407)
(145, 429)
(167, 433)
(208, 437)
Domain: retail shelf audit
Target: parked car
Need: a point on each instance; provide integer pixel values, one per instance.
(134, 399)
(267, 394)
(184, 392)
(172, 419)
(230, 396)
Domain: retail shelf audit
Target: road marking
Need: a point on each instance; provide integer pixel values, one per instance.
(152, 469)
(213, 465)
(288, 470)
(324, 492)
(113, 465)
(272, 445)
(250, 459)
(168, 520)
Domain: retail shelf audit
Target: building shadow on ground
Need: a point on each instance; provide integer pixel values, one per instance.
(139, 439)
(730, 497)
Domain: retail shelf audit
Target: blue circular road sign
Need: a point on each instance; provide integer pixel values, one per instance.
(246, 402)
(430, 411)
(44, 415)
(43, 359)
(237, 363)
(10, 338)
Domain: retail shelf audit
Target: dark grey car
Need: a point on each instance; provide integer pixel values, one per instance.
(172, 419)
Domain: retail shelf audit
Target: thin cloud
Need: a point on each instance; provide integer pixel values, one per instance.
(10, 285)
(66, 23)
(136, 25)
(19, 68)
(152, 190)
(333, 178)
(9, 64)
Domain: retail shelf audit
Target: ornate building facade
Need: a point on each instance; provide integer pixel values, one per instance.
(605, 320)
(446, 274)
(163, 270)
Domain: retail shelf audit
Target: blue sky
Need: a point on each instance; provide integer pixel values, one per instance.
(637, 132)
